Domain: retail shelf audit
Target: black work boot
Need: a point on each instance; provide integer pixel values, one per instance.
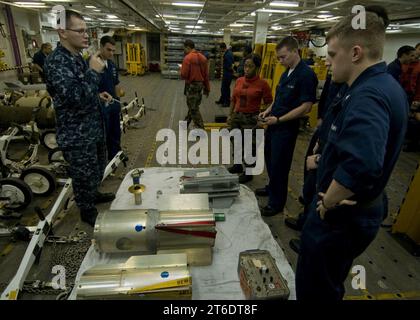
(104, 197)
(293, 223)
(262, 192)
(89, 216)
(268, 211)
(294, 244)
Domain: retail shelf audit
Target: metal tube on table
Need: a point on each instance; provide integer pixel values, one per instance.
(163, 276)
(149, 231)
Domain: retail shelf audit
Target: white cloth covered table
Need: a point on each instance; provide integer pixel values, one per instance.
(243, 230)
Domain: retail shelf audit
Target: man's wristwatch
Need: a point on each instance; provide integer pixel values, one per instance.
(318, 156)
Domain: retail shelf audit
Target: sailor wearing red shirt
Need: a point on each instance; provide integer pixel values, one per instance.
(249, 94)
(194, 71)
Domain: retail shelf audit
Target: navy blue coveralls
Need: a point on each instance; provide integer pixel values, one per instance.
(110, 79)
(331, 95)
(363, 145)
(395, 69)
(80, 125)
(227, 77)
(39, 59)
(280, 139)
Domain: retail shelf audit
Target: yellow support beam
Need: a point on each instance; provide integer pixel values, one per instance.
(408, 219)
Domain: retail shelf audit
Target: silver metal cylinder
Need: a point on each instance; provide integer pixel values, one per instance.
(123, 231)
(143, 231)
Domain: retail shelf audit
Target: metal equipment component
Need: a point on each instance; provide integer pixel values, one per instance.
(259, 276)
(22, 112)
(150, 230)
(143, 277)
(14, 194)
(41, 181)
(43, 229)
(137, 190)
(221, 186)
(136, 175)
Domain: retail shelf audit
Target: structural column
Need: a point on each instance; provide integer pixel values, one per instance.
(261, 28)
(227, 36)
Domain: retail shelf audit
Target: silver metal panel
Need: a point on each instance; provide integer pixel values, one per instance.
(184, 202)
(139, 276)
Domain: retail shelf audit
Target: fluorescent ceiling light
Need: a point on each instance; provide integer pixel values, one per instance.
(188, 4)
(393, 31)
(253, 14)
(297, 21)
(97, 10)
(322, 20)
(325, 16)
(111, 16)
(87, 18)
(131, 25)
(276, 27)
(201, 21)
(192, 27)
(411, 25)
(31, 4)
(284, 4)
(90, 7)
(239, 25)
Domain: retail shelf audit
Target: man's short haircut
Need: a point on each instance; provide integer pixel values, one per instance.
(223, 45)
(256, 59)
(404, 50)
(289, 42)
(381, 12)
(45, 45)
(189, 44)
(371, 38)
(69, 14)
(107, 39)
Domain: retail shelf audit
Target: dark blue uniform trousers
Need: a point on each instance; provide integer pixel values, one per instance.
(112, 129)
(309, 181)
(328, 248)
(225, 90)
(280, 144)
(86, 169)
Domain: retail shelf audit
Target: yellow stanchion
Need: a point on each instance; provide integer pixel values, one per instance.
(408, 219)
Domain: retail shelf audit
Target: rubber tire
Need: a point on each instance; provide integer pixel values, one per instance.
(43, 136)
(51, 154)
(23, 187)
(52, 181)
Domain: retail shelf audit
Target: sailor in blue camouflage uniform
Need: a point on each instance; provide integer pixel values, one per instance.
(73, 85)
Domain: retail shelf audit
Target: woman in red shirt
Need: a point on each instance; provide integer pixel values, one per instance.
(249, 95)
